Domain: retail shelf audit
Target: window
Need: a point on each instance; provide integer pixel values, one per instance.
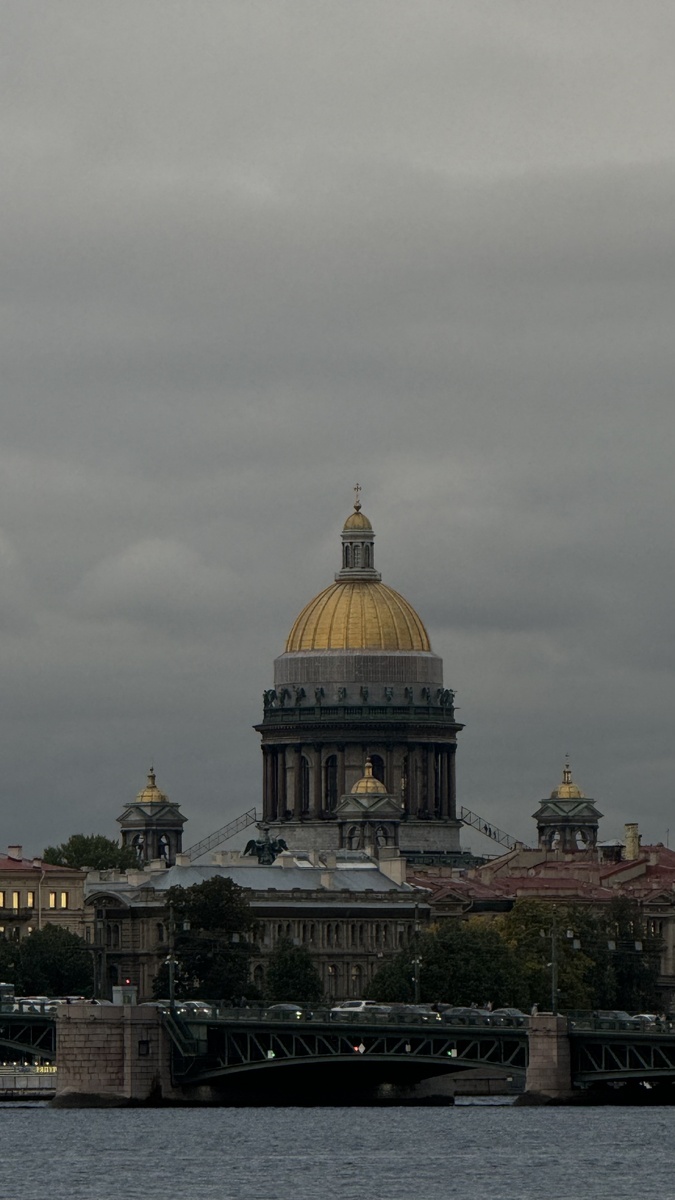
(52, 899)
(377, 763)
(64, 900)
(357, 977)
(348, 556)
(2, 899)
(30, 899)
(357, 556)
(15, 899)
(366, 556)
(160, 932)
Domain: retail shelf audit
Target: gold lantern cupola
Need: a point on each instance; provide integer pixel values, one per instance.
(358, 611)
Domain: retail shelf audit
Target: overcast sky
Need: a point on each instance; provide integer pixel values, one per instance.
(255, 252)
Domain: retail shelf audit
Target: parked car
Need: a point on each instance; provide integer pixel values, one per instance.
(288, 1012)
(508, 1016)
(415, 1013)
(466, 1016)
(613, 1018)
(348, 1009)
(195, 1008)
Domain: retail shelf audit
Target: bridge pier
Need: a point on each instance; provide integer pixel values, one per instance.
(549, 1071)
(113, 1055)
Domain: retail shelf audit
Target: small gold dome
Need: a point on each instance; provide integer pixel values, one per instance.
(567, 790)
(357, 520)
(368, 785)
(358, 615)
(151, 794)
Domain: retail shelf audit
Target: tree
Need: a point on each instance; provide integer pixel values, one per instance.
(51, 962)
(463, 962)
(211, 921)
(91, 850)
(598, 962)
(291, 975)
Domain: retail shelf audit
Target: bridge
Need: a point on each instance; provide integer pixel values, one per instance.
(133, 1052)
(321, 1054)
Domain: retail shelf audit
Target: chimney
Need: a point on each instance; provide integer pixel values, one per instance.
(631, 839)
(15, 852)
(184, 860)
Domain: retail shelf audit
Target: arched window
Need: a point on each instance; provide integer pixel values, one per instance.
(330, 783)
(348, 556)
(377, 763)
(304, 784)
(357, 978)
(357, 556)
(259, 977)
(354, 838)
(332, 981)
(160, 932)
(366, 556)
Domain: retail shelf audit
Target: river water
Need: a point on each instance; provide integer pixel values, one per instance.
(473, 1151)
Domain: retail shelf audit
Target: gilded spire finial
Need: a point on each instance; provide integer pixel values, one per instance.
(357, 502)
(567, 773)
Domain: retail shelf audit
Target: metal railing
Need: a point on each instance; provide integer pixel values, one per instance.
(488, 829)
(221, 835)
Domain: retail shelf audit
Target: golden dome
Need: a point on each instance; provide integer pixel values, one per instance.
(357, 520)
(567, 790)
(369, 785)
(359, 614)
(151, 794)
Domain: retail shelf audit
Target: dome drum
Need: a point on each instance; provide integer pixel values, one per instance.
(359, 666)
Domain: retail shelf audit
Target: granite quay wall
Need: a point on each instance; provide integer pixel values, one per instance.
(112, 1055)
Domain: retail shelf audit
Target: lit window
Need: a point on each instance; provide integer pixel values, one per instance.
(64, 900)
(2, 899)
(15, 899)
(30, 899)
(52, 899)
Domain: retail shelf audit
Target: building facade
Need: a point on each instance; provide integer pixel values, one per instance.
(34, 893)
(344, 908)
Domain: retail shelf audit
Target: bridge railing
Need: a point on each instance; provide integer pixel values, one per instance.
(596, 1022)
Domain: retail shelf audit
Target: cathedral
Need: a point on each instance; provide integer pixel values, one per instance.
(359, 733)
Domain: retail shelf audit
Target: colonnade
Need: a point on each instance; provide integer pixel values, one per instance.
(305, 780)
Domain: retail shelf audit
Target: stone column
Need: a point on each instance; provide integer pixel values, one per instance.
(317, 791)
(268, 799)
(444, 783)
(341, 771)
(452, 789)
(431, 780)
(297, 782)
(389, 769)
(281, 782)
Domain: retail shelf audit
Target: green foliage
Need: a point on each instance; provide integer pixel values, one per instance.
(91, 850)
(211, 921)
(50, 962)
(508, 960)
(598, 963)
(463, 962)
(291, 975)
